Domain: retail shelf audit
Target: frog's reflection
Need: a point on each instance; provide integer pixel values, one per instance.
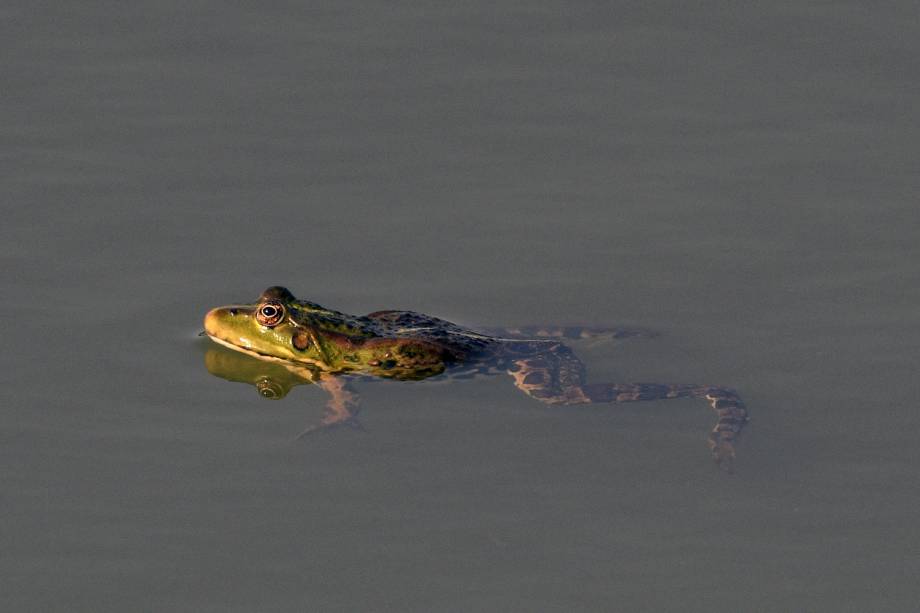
(273, 379)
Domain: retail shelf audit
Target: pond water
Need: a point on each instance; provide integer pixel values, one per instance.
(742, 180)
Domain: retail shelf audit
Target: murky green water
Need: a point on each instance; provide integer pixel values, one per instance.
(741, 179)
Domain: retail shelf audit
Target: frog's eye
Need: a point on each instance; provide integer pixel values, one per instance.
(270, 314)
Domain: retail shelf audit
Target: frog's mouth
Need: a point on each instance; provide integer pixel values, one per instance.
(230, 345)
(264, 356)
(247, 351)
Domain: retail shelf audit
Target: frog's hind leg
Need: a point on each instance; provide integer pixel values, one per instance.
(558, 377)
(569, 333)
(730, 410)
(554, 376)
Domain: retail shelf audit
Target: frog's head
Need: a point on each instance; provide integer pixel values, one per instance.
(267, 329)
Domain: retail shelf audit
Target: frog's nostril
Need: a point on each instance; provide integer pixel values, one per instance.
(233, 311)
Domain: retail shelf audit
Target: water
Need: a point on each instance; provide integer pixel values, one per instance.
(741, 179)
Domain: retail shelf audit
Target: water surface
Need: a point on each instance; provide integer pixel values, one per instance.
(741, 179)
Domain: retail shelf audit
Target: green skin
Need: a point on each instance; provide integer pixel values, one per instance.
(392, 344)
(303, 342)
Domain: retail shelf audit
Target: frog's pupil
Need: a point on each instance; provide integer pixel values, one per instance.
(268, 311)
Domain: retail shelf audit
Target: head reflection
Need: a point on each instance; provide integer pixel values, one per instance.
(272, 380)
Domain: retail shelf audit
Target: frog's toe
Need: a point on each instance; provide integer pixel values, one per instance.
(350, 422)
(353, 423)
(723, 451)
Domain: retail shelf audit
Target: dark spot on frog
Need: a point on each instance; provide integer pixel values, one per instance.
(384, 364)
(534, 378)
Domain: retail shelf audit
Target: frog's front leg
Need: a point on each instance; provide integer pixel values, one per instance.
(341, 408)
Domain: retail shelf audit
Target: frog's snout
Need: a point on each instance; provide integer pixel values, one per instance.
(215, 319)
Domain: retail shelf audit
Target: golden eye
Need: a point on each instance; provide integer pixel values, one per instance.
(270, 314)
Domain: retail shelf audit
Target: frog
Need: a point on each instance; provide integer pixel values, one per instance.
(301, 342)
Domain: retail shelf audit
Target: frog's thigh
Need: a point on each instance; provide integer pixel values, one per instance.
(549, 379)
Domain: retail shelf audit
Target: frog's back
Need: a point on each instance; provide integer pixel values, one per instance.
(460, 341)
